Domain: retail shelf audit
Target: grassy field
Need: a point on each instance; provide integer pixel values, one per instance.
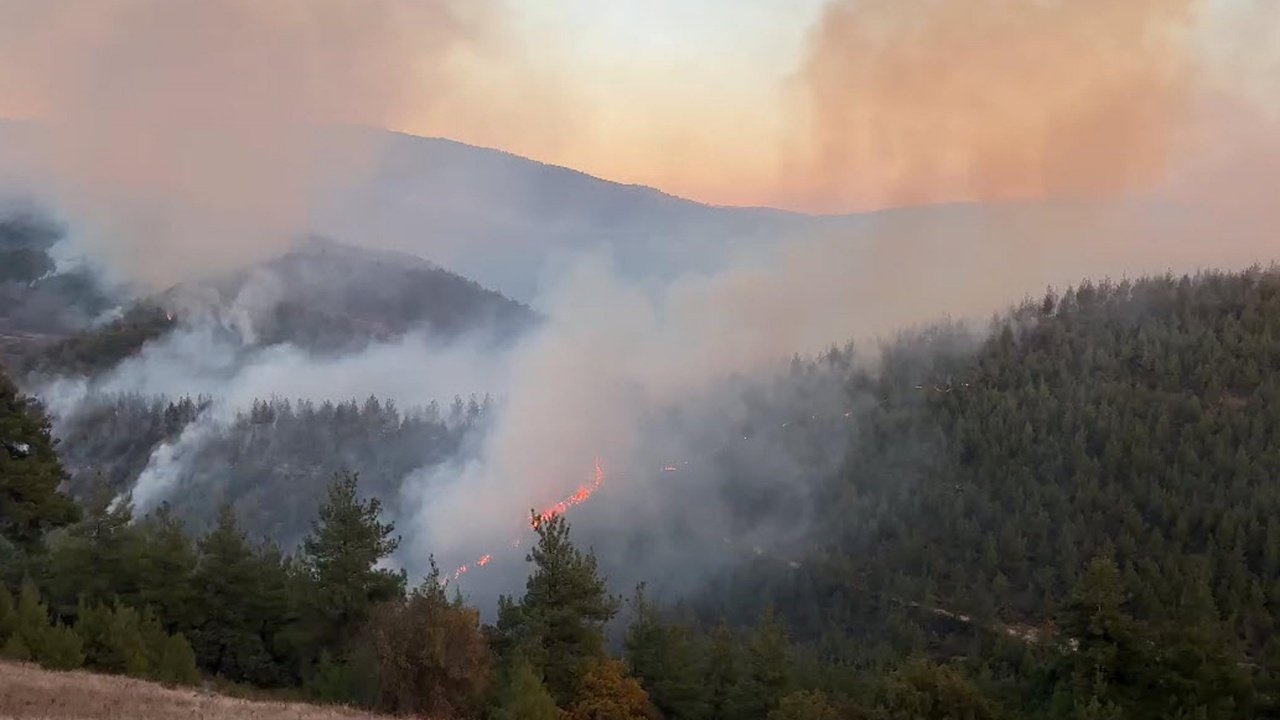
(27, 691)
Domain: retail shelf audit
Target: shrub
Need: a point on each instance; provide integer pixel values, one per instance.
(61, 649)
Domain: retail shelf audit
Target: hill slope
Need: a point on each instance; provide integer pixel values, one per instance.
(29, 692)
(1136, 421)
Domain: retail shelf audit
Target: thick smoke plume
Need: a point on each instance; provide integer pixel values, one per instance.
(185, 136)
(917, 101)
(1112, 117)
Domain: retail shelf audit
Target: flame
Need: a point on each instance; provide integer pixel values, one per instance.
(581, 495)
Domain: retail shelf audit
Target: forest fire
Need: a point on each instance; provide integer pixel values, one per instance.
(580, 496)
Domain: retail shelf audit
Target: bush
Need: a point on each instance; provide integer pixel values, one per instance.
(805, 705)
(608, 692)
(93, 626)
(122, 640)
(15, 649)
(29, 635)
(524, 696)
(176, 662)
(61, 649)
(31, 623)
(126, 647)
(353, 681)
(432, 658)
(8, 614)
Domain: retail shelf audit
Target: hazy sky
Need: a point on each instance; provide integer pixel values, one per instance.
(825, 105)
(678, 94)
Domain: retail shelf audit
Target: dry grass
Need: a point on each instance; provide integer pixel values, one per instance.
(29, 692)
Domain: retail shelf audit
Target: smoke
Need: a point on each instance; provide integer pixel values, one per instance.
(185, 136)
(926, 100)
(1108, 121)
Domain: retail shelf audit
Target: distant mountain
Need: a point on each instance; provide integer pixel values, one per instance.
(503, 219)
(322, 296)
(327, 297)
(509, 222)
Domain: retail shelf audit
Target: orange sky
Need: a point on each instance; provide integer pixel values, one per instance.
(825, 105)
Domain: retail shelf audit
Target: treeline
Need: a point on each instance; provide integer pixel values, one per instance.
(98, 587)
(273, 449)
(1135, 421)
(1071, 517)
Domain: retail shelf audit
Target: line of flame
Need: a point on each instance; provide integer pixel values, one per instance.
(580, 496)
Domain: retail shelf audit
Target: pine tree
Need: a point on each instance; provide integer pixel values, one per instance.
(664, 658)
(61, 648)
(765, 680)
(341, 556)
(126, 644)
(30, 471)
(31, 621)
(1109, 662)
(923, 691)
(93, 625)
(240, 605)
(175, 664)
(559, 623)
(523, 696)
(167, 564)
(98, 558)
(723, 673)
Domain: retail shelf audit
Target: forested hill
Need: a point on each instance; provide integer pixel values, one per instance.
(1076, 515)
(1137, 422)
(321, 296)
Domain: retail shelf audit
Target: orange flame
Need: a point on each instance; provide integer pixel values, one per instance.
(582, 495)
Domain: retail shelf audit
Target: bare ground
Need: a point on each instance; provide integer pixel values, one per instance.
(30, 693)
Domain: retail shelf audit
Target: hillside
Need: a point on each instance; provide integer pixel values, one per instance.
(321, 296)
(1133, 421)
(1071, 515)
(38, 302)
(326, 297)
(29, 692)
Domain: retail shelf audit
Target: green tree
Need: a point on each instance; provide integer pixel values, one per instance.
(241, 606)
(667, 662)
(97, 559)
(30, 471)
(923, 691)
(805, 705)
(61, 648)
(523, 696)
(167, 564)
(765, 680)
(31, 620)
(35, 637)
(341, 555)
(175, 663)
(559, 623)
(1109, 664)
(723, 673)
